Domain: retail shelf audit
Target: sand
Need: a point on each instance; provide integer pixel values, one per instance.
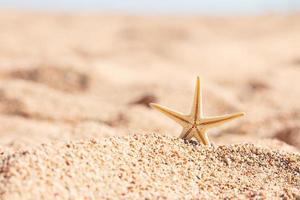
(68, 78)
(149, 166)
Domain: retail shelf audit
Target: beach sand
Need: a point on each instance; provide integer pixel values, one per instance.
(75, 121)
(149, 166)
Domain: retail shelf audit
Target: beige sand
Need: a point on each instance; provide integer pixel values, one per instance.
(149, 166)
(67, 77)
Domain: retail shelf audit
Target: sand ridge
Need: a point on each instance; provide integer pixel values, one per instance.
(148, 166)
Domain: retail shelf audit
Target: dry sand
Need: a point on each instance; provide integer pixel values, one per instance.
(149, 166)
(65, 79)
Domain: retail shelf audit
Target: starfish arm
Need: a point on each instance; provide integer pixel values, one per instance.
(186, 133)
(176, 116)
(216, 121)
(197, 104)
(191, 134)
(202, 137)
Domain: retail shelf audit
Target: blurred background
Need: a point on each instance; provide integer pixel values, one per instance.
(215, 7)
(80, 69)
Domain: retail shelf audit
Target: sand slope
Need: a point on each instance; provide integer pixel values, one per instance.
(148, 166)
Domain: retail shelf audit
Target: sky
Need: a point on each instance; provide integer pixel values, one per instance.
(158, 6)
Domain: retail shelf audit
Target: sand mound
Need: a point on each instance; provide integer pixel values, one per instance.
(148, 166)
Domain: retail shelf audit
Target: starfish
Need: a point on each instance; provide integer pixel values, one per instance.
(195, 124)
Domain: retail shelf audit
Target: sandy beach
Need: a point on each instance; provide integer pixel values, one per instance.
(75, 121)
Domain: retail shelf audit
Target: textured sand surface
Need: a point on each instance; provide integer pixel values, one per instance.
(66, 78)
(149, 166)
